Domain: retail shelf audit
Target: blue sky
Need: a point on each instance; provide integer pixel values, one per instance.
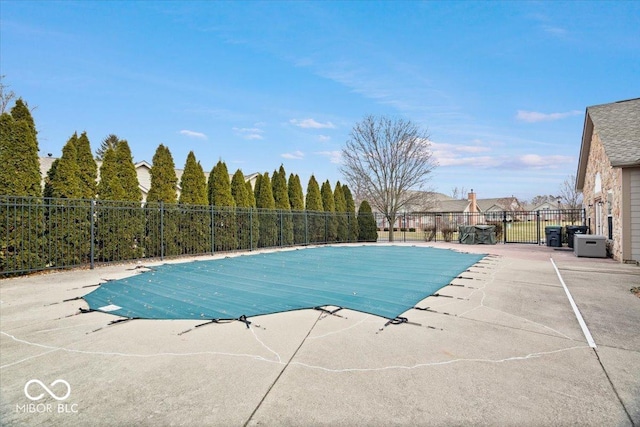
(501, 87)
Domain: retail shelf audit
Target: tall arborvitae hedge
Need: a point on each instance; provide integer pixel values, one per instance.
(21, 229)
(65, 183)
(163, 177)
(329, 207)
(283, 206)
(246, 214)
(19, 162)
(68, 231)
(296, 199)
(255, 218)
(316, 224)
(127, 172)
(368, 231)
(88, 169)
(162, 215)
(193, 184)
(340, 204)
(221, 199)
(120, 228)
(21, 112)
(195, 228)
(266, 211)
(351, 214)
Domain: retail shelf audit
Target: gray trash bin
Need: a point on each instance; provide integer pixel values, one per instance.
(553, 235)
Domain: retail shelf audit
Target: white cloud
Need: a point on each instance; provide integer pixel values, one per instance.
(323, 138)
(312, 124)
(249, 133)
(463, 155)
(334, 156)
(296, 155)
(192, 134)
(535, 117)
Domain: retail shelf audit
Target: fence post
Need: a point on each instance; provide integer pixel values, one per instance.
(538, 227)
(93, 234)
(306, 227)
(213, 232)
(250, 228)
(161, 230)
(504, 226)
(281, 242)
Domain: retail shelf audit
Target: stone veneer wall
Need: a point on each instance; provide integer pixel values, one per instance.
(611, 179)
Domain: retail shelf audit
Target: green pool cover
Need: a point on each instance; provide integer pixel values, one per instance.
(381, 280)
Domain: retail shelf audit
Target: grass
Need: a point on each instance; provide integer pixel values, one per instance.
(520, 231)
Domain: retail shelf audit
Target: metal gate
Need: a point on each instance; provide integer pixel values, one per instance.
(510, 226)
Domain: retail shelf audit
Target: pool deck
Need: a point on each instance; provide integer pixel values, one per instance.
(501, 347)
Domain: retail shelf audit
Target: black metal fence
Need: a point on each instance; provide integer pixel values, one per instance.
(38, 234)
(510, 226)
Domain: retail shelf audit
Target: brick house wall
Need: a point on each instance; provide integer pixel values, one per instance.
(610, 195)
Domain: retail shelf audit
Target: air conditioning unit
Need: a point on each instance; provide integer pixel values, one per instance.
(590, 245)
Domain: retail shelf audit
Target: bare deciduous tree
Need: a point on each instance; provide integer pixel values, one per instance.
(390, 161)
(459, 193)
(6, 95)
(571, 197)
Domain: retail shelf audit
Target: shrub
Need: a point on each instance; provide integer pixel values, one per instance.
(447, 233)
(430, 233)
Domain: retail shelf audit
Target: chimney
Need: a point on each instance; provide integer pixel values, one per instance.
(473, 208)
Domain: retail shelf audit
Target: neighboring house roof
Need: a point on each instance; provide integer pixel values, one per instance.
(618, 125)
(498, 204)
(451, 206)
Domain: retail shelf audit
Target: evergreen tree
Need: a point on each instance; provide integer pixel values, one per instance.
(88, 170)
(255, 217)
(281, 198)
(196, 224)
(68, 221)
(224, 208)
(48, 188)
(341, 213)
(21, 230)
(20, 171)
(193, 183)
(351, 214)
(329, 207)
(163, 177)
(127, 172)
(120, 220)
(110, 141)
(20, 111)
(246, 217)
(296, 199)
(266, 211)
(368, 230)
(65, 183)
(161, 201)
(315, 212)
(250, 193)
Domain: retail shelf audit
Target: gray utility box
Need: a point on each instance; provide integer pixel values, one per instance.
(590, 245)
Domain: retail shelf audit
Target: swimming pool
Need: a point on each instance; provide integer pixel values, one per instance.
(381, 280)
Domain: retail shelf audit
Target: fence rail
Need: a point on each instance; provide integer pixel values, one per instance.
(510, 226)
(40, 233)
